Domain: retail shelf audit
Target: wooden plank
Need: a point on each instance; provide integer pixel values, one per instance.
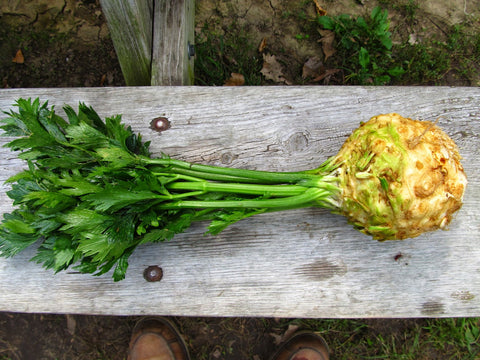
(173, 33)
(130, 25)
(302, 263)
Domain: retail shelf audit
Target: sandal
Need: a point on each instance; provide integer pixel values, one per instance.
(157, 339)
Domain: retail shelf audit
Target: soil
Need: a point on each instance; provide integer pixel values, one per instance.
(66, 43)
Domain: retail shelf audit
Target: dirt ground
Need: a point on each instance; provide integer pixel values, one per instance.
(66, 43)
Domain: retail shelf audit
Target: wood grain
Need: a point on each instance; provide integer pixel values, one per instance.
(302, 263)
(173, 32)
(130, 25)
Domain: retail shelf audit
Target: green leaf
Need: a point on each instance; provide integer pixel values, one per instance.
(116, 130)
(118, 157)
(116, 198)
(364, 58)
(79, 220)
(63, 259)
(71, 115)
(326, 22)
(225, 218)
(96, 246)
(22, 187)
(16, 236)
(48, 199)
(362, 23)
(122, 228)
(17, 225)
(396, 71)
(175, 222)
(121, 267)
(386, 42)
(86, 136)
(378, 15)
(90, 116)
(45, 254)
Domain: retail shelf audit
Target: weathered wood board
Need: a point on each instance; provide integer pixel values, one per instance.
(302, 263)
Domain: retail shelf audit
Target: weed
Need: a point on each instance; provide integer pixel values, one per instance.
(460, 335)
(366, 54)
(364, 47)
(408, 9)
(431, 61)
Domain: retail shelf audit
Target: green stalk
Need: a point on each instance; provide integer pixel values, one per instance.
(308, 197)
(257, 175)
(250, 189)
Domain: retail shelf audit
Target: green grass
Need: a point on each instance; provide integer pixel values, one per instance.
(450, 338)
(431, 62)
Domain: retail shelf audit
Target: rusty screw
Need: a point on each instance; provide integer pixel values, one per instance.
(153, 273)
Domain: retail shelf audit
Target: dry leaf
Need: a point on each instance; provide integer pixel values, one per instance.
(278, 339)
(327, 39)
(235, 80)
(320, 11)
(19, 59)
(272, 69)
(326, 75)
(312, 68)
(263, 45)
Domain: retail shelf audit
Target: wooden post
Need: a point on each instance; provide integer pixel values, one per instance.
(173, 34)
(153, 39)
(130, 24)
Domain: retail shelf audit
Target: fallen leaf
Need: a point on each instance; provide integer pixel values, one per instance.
(327, 39)
(278, 339)
(312, 68)
(320, 11)
(19, 59)
(326, 75)
(263, 45)
(235, 80)
(272, 69)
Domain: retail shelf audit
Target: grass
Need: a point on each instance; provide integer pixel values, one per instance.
(450, 338)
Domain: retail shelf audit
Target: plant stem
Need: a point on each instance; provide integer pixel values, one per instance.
(251, 189)
(309, 197)
(244, 174)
